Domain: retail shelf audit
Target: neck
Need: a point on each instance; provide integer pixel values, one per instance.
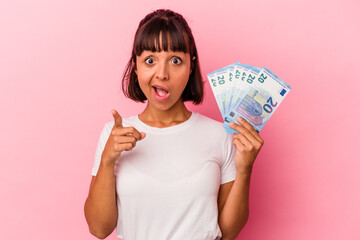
(165, 118)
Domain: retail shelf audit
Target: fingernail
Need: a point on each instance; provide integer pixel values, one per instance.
(231, 124)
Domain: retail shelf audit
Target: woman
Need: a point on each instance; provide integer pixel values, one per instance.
(169, 173)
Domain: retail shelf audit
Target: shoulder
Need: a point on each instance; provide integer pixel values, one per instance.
(216, 137)
(210, 124)
(206, 120)
(212, 128)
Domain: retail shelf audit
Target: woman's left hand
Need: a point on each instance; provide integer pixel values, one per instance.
(248, 144)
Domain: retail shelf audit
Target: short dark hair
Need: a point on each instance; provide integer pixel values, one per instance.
(176, 36)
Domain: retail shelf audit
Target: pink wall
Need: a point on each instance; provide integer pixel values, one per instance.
(60, 68)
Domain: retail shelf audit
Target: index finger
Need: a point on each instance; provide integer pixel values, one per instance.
(117, 119)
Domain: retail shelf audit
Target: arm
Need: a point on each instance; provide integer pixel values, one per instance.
(235, 212)
(100, 206)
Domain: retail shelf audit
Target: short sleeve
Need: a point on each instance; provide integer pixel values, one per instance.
(105, 133)
(228, 169)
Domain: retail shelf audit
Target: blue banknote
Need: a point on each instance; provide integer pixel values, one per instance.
(259, 101)
(248, 92)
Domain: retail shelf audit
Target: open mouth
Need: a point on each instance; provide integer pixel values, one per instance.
(160, 91)
(161, 94)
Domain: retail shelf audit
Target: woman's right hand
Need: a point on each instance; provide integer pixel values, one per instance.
(120, 139)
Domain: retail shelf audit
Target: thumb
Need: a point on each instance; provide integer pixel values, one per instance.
(117, 119)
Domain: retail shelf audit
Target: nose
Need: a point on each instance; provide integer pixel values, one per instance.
(162, 71)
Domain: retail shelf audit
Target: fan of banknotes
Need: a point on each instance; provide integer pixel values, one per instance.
(249, 92)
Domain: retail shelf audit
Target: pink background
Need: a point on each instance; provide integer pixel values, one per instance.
(60, 69)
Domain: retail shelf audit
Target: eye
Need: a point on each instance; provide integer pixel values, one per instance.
(149, 60)
(176, 60)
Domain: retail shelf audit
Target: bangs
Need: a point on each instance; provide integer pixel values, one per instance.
(161, 35)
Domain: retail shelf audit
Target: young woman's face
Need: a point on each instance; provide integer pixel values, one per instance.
(163, 76)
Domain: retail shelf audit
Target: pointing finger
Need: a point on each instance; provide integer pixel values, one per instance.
(117, 119)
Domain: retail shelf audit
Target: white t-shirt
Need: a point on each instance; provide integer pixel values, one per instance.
(167, 186)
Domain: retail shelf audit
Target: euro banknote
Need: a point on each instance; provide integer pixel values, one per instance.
(248, 92)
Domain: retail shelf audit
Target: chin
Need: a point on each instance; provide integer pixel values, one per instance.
(163, 106)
